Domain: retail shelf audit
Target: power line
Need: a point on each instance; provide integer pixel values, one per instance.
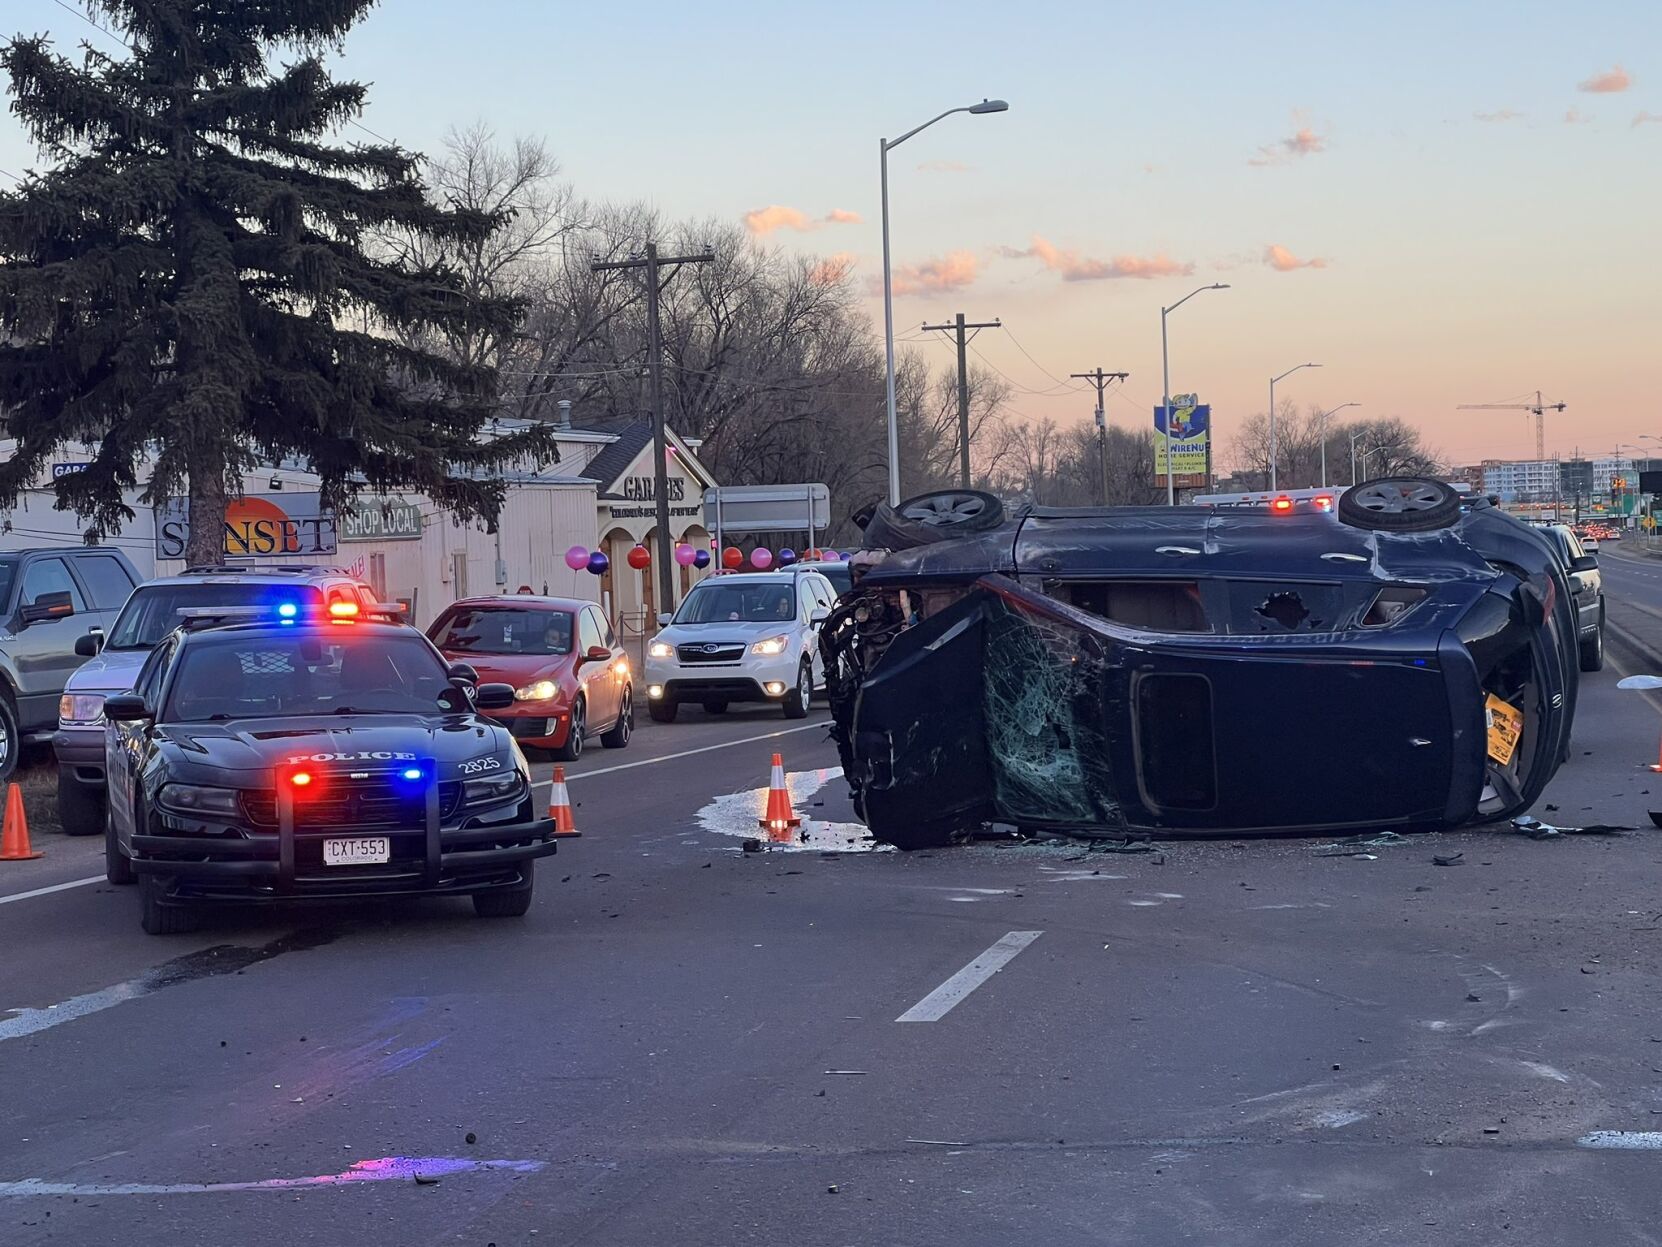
(101, 29)
(12, 176)
(1038, 365)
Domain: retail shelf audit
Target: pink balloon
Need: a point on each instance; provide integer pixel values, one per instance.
(685, 555)
(831, 556)
(761, 559)
(577, 558)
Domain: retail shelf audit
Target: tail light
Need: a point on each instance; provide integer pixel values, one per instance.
(1281, 506)
(1323, 502)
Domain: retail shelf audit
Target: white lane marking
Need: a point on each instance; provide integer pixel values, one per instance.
(31, 1021)
(384, 1169)
(1623, 1140)
(938, 1003)
(687, 753)
(56, 887)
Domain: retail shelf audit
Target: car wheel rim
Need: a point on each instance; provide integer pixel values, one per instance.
(577, 730)
(804, 689)
(1396, 499)
(945, 509)
(628, 718)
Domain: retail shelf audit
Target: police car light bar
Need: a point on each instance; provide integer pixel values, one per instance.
(196, 614)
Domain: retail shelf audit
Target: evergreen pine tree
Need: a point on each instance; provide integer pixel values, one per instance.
(194, 277)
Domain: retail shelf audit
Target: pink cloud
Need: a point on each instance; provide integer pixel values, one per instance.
(1610, 82)
(952, 271)
(832, 269)
(1505, 114)
(1284, 261)
(1575, 117)
(1302, 142)
(943, 166)
(1075, 267)
(1641, 118)
(764, 221)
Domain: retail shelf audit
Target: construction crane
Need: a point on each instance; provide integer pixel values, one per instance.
(1538, 407)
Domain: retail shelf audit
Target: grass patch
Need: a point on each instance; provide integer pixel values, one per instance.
(39, 781)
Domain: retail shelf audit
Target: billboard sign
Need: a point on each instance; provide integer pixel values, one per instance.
(768, 508)
(1185, 432)
(256, 526)
(381, 519)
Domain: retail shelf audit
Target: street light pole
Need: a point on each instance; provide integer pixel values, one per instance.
(1273, 380)
(884, 145)
(1165, 386)
(1353, 440)
(1325, 415)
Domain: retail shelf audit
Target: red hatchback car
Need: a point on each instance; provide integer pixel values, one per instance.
(571, 679)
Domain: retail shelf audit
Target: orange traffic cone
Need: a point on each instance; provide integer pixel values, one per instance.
(780, 819)
(14, 836)
(559, 806)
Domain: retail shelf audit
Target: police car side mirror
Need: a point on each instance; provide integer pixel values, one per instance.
(126, 708)
(494, 696)
(461, 673)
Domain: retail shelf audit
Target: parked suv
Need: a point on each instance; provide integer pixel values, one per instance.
(53, 604)
(150, 615)
(744, 637)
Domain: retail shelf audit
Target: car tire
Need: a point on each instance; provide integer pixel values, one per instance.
(162, 917)
(11, 738)
(715, 707)
(514, 902)
(80, 807)
(663, 710)
(118, 867)
(1400, 504)
(1592, 650)
(801, 698)
(939, 515)
(573, 748)
(619, 736)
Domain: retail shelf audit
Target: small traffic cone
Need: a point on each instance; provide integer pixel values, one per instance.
(559, 806)
(14, 836)
(779, 819)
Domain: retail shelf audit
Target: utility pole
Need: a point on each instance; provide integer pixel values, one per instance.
(958, 328)
(652, 262)
(1102, 380)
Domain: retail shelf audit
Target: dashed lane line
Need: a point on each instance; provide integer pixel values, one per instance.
(938, 1003)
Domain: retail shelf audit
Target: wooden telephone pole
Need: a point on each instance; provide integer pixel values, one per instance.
(958, 329)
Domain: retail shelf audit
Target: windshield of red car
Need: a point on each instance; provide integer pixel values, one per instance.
(504, 630)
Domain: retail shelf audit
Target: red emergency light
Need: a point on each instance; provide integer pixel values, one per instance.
(1281, 505)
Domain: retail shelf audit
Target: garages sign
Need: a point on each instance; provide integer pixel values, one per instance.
(381, 519)
(257, 525)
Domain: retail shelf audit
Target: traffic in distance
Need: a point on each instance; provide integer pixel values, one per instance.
(253, 735)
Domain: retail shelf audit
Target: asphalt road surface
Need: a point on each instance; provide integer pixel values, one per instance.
(1215, 1043)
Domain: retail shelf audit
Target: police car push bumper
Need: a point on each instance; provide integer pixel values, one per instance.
(211, 858)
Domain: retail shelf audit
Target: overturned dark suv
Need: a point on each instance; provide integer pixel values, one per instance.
(1392, 657)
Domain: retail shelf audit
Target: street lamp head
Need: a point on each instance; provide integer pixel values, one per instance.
(989, 106)
(1219, 285)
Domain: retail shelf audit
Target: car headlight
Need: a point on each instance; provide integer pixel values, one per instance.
(81, 708)
(494, 789)
(773, 645)
(660, 649)
(542, 690)
(191, 799)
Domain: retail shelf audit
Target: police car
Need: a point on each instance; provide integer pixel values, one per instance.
(279, 752)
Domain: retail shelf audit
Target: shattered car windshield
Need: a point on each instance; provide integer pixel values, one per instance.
(738, 603)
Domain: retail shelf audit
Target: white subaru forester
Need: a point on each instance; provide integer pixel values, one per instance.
(750, 636)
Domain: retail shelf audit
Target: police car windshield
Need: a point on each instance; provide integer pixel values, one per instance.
(504, 630)
(713, 602)
(331, 670)
(153, 610)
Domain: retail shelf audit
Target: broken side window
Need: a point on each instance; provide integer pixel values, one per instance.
(1266, 606)
(1148, 605)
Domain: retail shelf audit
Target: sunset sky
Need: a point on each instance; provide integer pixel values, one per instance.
(1439, 203)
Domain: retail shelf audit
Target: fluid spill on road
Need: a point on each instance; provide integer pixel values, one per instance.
(206, 963)
(384, 1169)
(738, 814)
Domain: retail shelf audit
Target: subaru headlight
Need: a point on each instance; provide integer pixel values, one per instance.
(494, 789)
(660, 649)
(773, 645)
(81, 708)
(542, 690)
(194, 800)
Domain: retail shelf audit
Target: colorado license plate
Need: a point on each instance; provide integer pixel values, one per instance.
(367, 851)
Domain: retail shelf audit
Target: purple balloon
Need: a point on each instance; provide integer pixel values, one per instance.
(761, 559)
(701, 558)
(598, 563)
(787, 556)
(577, 558)
(685, 555)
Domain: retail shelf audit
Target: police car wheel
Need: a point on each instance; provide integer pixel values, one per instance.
(80, 806)
(160, 916)
(512, 902)
(573, 748)
(118, 867)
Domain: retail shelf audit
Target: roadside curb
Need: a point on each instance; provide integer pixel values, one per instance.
(1649, 655)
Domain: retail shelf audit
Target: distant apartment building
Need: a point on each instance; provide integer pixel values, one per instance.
(1524, 480)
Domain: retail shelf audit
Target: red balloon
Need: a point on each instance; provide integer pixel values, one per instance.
(639, 557)
(732, 557)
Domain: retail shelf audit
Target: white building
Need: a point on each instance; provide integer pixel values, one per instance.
(1526, 480)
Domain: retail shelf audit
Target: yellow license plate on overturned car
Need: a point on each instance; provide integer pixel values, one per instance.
(363, 851)
(1505, 726)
